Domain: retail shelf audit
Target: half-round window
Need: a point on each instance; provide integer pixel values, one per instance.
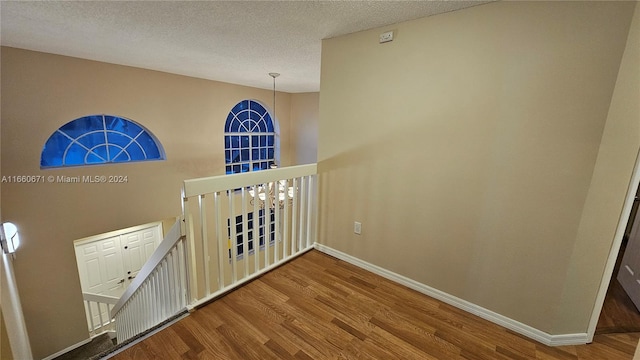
(249, 138)
(100, 139)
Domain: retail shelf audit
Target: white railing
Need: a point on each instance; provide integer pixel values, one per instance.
(158, 292)
(98, 309)
(240, 226)
(237, 227)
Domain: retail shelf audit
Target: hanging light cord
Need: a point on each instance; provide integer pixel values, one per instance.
(274, 76)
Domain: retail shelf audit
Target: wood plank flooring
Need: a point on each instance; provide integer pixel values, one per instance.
(318, 307)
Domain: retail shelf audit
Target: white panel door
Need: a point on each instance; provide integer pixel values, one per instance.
(101, 271)
(137, 249)
(100, 265)
(107, 264)
(629, 273)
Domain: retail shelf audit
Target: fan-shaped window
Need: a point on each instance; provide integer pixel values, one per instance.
(249, 138)
(100, 139)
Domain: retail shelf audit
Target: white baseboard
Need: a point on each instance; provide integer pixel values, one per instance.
(520, 328)
(64, 351)
(567, 339)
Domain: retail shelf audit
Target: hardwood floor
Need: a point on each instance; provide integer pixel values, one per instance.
(318, 307)
(618, 315)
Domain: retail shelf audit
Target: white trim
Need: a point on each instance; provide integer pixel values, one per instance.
(566, 339)
(98, 237)
(99, 298)
(615, 249)
(66, 350)
(523, 329)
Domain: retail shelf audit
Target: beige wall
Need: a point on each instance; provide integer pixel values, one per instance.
(611, 176)
(5, 346)
(41, 92)
(466, 148)
(304, 130)
(14, 339)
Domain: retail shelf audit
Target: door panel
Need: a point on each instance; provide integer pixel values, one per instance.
(101, 271)
(107, 265)
(138, 247)
(99, 267)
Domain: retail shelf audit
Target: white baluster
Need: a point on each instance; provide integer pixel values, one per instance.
(255, 231)
(263, 218)
(172, 285)
(183, 275)
(303, 199)
(100, 316)
(167, 291)
(294, 216)
(93, 326)
(276, 218)
(286, 241)
(220, 239)
(234, 239)
(205, 242)
(245, 233)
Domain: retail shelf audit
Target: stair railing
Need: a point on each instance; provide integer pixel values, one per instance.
(158, 292)
(240, 226)
(98, 309)
(237, 227)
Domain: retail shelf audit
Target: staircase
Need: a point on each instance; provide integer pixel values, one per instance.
(234, 228)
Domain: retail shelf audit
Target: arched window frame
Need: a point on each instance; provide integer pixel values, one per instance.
(243, 138)
(98, 140)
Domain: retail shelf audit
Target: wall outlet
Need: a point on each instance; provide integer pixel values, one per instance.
(386, 37)
(357, 228)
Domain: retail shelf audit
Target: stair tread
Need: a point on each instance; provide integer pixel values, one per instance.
(98, 345)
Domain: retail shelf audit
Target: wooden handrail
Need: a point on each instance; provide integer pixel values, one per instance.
(212, 184)
(173, 236)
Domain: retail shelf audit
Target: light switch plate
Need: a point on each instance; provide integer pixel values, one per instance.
(357, 228)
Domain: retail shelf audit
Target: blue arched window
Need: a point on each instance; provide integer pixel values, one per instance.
(249, 138)
(100, 139)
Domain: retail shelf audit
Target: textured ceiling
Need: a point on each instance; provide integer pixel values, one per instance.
(238, 42)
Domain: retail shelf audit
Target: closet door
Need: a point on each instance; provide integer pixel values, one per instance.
(101, 272)
(100, 267)
(137, 248)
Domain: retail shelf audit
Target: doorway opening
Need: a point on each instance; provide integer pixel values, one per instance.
(107, 264)
(620, 312)
(623, 223)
